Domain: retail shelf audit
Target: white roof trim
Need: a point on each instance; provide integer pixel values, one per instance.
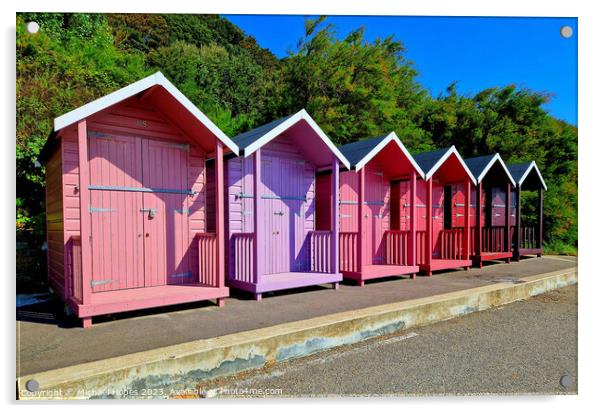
(492, 162)
(119, 95)
(301, 115)
(451, 151)
(531, 166)
(390, 137)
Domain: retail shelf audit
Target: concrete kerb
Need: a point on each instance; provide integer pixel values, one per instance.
(167, 371)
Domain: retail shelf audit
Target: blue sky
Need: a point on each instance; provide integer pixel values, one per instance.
(477, 52)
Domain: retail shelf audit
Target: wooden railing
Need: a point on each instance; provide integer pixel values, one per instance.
(207, 259)
(74, 284)
(421, 247)
(451, 244)
(348, 251)
(528, 238)
(243, 257)
(396, 247)
(493, 239)
(320, 251)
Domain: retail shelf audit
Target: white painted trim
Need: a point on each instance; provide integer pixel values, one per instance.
(390, 137)
(301, 115)
(492, 162)
(104, 102)
(451, 151)
(524, 176)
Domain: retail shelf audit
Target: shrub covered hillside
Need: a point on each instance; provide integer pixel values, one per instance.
(353, 88)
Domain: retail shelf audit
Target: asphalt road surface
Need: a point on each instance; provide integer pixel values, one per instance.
(521, 348)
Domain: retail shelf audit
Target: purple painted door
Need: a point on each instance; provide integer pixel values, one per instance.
(283, 210)
(139, 212)
(165, 213)
(116, 223)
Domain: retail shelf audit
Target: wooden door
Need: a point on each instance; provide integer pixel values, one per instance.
(116, 222)
(421, 205)
(284, 214)
(376, 189)
(458, 201)
(438, 218)
(165, 213)
(405, 209)
(349, 186)
(498, 207)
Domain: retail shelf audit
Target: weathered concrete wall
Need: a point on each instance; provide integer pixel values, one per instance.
(155, 373)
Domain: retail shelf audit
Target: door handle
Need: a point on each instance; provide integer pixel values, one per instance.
(152, 212)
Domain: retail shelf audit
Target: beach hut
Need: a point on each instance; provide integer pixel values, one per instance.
(443, 232)
(276, 239)
(377, 233)
(527, 236)
(128, 220)
(490, 210)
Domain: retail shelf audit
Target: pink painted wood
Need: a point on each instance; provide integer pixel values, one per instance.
(97, 237)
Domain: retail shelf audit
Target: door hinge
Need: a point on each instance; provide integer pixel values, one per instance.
(94, 209)
(95, 283)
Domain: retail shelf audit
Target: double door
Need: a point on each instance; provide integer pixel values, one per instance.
(284, 208)
(139, 212)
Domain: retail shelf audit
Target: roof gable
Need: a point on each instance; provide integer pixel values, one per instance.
(359, 153)
(520, 172)
(481, 165)
(252, 140)
(431, 161)
(142, 85)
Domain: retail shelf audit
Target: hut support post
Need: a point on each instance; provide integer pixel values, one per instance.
(507, 227)
(360, 219)
(466, 240)
(517, 230)
(257, 216)
(219, 213)
(540, 220)
(334, 227)
(478, 242)
(412, 241)
(428, 248)
(84, 203)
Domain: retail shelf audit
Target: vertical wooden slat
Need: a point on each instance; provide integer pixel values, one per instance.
(412, 259)
(219, 214)
(334, 209)
(540, 218)
(518, 234)
(257, 218)
(360, 219)
(428, 250)
(84, 203)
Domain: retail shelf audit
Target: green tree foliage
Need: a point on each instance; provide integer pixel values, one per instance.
(353, 88)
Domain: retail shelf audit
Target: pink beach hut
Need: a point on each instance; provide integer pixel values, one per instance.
(129, 220)
(377, 232)
(443, 234)
(276, 238)
(491, 236)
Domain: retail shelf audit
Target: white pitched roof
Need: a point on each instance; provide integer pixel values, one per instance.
(156, 79)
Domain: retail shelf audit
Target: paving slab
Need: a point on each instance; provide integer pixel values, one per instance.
(47, 340)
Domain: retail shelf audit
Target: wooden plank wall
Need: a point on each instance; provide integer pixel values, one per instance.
(133, 118)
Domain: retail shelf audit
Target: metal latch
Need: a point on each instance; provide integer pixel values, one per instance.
(152, 212)
(279, 213)
(95, 283)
